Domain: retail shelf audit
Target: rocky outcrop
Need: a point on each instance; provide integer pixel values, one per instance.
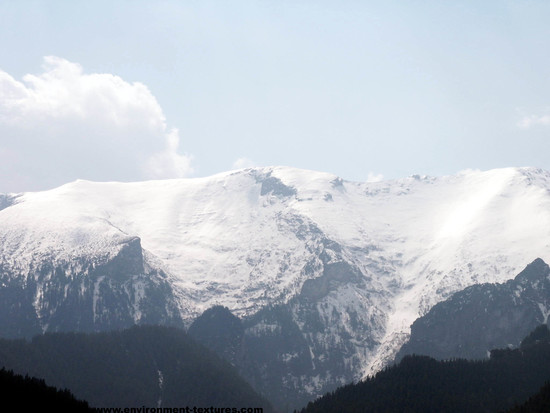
(86, 294)
(482, 317)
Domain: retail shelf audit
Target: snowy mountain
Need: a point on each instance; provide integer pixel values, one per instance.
(349, 265)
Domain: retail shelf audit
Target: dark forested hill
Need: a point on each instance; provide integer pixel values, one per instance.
(423, 384)
(539, 403)
(24, 393)
(266, 348)
(149, 366)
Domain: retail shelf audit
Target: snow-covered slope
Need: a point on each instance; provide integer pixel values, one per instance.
(365, 258)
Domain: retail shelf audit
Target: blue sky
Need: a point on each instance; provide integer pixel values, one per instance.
(131, 90)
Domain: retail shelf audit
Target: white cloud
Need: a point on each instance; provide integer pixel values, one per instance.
(243, 163)
(169, 163)
(532, 120)
(64, 124)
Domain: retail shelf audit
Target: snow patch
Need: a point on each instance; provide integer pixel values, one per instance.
(545, 312)
(161, 387)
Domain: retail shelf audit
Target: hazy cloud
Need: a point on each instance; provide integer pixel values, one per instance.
(64, 124)
(532, 120)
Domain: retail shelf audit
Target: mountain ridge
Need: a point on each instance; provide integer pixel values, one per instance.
(349, 265)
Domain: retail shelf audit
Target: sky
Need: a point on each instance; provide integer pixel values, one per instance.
(367, 90)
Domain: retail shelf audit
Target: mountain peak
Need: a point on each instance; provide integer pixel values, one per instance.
(536, 270)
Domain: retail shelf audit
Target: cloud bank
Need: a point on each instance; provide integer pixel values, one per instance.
(64, 124)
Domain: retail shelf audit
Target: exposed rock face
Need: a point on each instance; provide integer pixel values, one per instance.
(86, 294)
